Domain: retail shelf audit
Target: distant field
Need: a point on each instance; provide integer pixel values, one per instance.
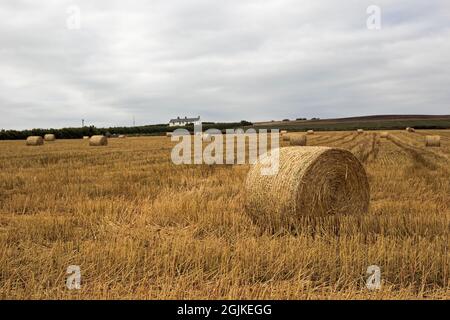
(142, 227)
(367, 123)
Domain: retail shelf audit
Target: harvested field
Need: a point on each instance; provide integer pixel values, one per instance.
(141, 227)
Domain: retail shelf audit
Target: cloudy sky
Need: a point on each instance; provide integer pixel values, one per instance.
(223, 60)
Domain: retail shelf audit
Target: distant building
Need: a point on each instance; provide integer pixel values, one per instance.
(184, 121)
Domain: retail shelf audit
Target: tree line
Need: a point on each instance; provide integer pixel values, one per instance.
(80, 132)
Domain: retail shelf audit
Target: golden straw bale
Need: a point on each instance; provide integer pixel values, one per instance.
(98, 141)
(85, 137)
(432, 141)
(49, 137)
(122, 136)
(286, 137)
(384, 134)
(298, 140)
(360, 131)
(310, 132)
(310, 182)
(35, 141)
(409, 129)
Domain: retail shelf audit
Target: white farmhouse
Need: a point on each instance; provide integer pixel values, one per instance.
(184, 121)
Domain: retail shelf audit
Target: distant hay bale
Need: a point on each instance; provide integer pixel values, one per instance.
(35, 141)
(310, 182)
(85, 137)
(122, 136)
(432, 141)
(168, 134)
(49, 137)
(409, 129)
(310, 132)
(360, 131)
(98, 141)
(283, 132)
(384, 134)
(298, 140)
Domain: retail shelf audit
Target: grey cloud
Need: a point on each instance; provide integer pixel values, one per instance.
(224, 61)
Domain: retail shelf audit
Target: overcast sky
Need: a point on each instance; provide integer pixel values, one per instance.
(223, 60)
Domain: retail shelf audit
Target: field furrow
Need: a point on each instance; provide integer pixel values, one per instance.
(141, 227)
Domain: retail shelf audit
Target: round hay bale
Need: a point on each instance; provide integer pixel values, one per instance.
(384, 134)
(310, 182)
(298, 140)
(169, 134)
(409, 129)
(98, 141)
(85, 137)
(49, 137)
(360, 131)
(310, 132)
(432, 141)
(35, 141)
(122, 136)
(283, 132)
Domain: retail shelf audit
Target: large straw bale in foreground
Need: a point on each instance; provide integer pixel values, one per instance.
(35, 141)
(298, 140)
(433, 141)
(286, 137)
(310, 182)
(49, 137)
(98, 141)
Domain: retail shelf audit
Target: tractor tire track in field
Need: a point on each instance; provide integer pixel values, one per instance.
(353, 138)
(364, 149)
(331, 140)
(390, 153)
(368, 150)
(416, 154)
(342, 142)
(354, 142)
(318, 139)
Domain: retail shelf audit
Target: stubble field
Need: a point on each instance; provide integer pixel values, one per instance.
(141, 227)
